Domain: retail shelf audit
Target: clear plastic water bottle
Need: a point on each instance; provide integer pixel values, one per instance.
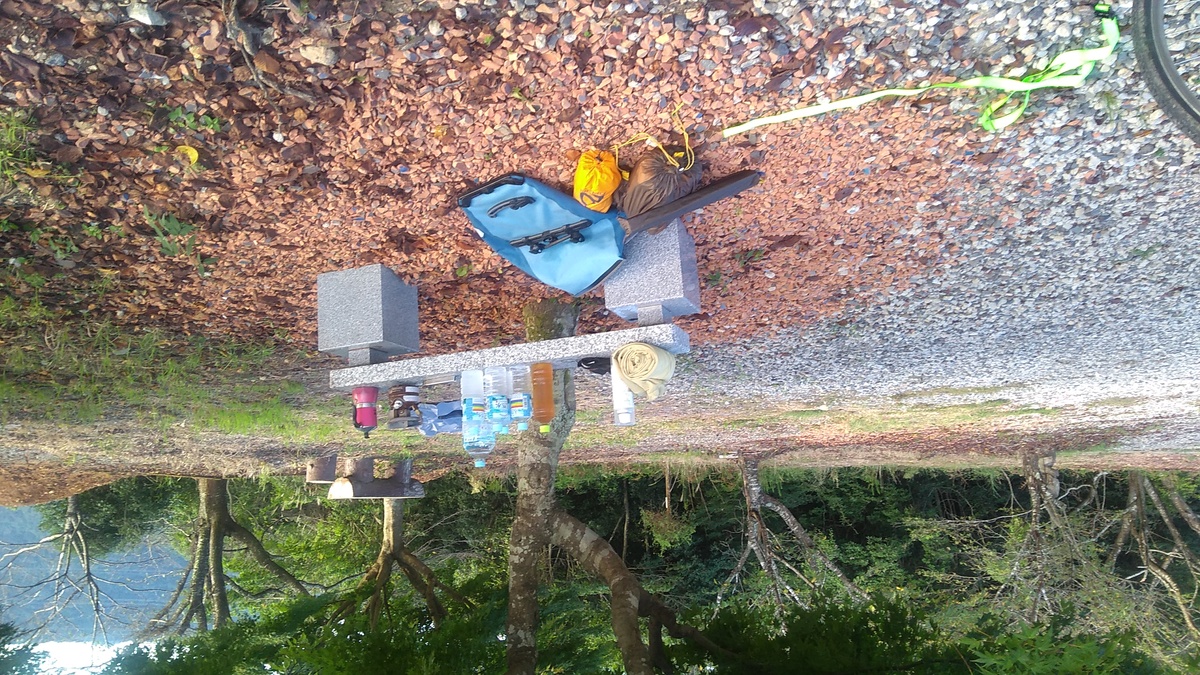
(478, 440)
(520, 401)
(497, 386)
(474, 401)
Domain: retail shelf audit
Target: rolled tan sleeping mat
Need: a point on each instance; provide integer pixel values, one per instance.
(644, 368)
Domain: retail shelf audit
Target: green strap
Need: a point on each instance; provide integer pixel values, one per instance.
(1068, 69)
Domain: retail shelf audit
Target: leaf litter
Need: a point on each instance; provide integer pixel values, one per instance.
(345, 138)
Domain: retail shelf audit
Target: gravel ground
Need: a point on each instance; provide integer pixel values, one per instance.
(1092, 291)
(891, 249)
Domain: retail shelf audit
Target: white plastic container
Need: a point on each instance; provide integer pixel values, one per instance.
(622, 398)
(474, 401)
(520, 401)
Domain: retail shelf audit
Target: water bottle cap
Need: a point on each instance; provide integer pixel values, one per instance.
(480, 463)
(545, 428)
(522, 426)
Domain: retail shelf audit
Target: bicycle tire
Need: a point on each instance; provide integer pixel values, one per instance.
(1162, 77)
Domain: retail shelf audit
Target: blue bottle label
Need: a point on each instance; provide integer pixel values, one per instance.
(497, 408)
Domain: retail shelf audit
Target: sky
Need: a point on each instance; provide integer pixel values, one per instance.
(137, 583)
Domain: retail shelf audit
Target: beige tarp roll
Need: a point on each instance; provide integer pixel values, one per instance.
(644, 368)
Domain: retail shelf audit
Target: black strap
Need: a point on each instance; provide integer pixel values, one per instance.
(464, 200)
(713, 192)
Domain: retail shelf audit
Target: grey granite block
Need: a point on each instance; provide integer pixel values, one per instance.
(659, 269)
(563, 353)
(652, 315)
(361, 356)
(368, 311)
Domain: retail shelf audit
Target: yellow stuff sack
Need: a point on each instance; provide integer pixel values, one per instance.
(596, 179)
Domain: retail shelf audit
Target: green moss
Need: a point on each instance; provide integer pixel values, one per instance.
(805, 414)
(956, 391)
(1116, 402)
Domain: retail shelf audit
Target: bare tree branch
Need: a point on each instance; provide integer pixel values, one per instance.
(260, 555)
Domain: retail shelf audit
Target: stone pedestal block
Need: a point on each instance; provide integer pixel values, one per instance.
(658, 280)
(366, 315)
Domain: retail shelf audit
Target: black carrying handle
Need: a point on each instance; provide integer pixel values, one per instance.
(713, 192)
(464, 200)
(514, 204)
(543, 240)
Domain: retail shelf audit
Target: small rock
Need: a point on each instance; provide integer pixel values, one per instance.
(142, 13)
(55, 60)
(435, 28)
(382, 74)
(681, 22)
(715, 15)
(460, 13)
(326, 56)
(539, 42)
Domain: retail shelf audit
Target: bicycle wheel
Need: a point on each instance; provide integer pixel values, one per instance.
(1166, 40)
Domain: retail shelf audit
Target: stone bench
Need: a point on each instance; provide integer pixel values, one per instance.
(562, 352)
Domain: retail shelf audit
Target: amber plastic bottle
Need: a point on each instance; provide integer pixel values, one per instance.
(542, 375)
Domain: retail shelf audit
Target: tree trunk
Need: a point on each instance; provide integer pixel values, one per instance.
(536, 458)
(537, 462)
(214, 502)
(203, 586)
(598, 557)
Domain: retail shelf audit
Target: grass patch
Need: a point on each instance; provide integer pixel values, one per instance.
(920, 417)
(884, 420)
(744, 424)
(17, 154)
(587, 416)
(607, 436)
(63, 368)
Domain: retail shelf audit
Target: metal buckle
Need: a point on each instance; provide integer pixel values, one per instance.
(1104, 11)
